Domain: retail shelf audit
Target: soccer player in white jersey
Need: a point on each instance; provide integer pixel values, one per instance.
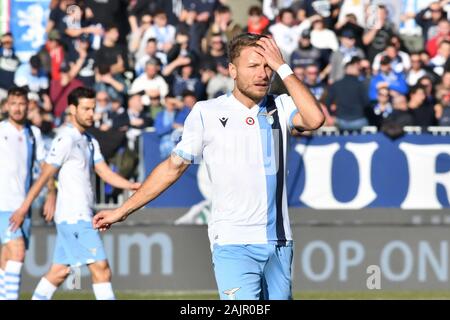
(242, 139)
(21, 147)
(74, 155)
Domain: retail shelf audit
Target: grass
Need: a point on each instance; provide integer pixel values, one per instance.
(367, 295)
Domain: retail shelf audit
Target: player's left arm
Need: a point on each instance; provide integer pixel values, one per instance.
(19, 215)
(309, 116)
(114, 179)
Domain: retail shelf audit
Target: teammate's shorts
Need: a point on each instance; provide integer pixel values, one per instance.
(5, 231)
(254, 271)
(78, 244)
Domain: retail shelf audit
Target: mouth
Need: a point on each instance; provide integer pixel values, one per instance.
(261, 85)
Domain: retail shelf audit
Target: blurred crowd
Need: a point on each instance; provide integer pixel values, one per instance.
(379, 63)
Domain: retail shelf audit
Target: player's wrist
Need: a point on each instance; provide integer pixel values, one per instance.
(284, 71)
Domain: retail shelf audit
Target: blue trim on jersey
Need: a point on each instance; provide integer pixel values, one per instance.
(291, 118)
(57, 166)
(99, 160)
(280, 173)
(184, 155)
(29, 141)
(269, 163)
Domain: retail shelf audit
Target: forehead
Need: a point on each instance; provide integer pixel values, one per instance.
(16, 98)
(249, 55)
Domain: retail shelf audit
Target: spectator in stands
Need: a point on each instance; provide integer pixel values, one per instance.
(400, 117)
(52, 55)
(32, 76)
(323, 38)
(102, 110)
(442, 108)
(163, 32)
(135, 114)
(429, 18)
(73, 23)
(150, 82)
(187, 80)
(377, 36)
(9, 63)
(443, 34)
(383, 107)
(421, 110)
(108, 12)
(222, 24)
(306, 53)
(416, 72)
(137, 43)
(82, 62)
(313, 81)
(284, 33)
(350, 22)
(386, 78)
(348, 99)
(204, 11)
(151, 52)
(164, 125)
(111, 53)
(189, 100)
(443, 53)
(180, 52)
(113, 84)
(400, 60)
(60, 90)
(256, 23)
(216, 50)
(347, 50)
(427, 83)
(221, 82)
(154, 107)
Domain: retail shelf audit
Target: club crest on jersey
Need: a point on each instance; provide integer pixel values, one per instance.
(250, 121)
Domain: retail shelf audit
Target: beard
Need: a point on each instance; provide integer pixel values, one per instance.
(254, 95)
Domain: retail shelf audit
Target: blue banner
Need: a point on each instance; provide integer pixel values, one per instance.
(341, 172)
(27, 23)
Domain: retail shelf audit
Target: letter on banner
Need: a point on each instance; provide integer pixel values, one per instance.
(318, 161)
(423, 177)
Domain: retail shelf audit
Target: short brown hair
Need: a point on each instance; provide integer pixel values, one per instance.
(242, 41)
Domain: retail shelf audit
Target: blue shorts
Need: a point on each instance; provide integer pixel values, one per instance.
(254, 271)
(5, 232)
(77, 244)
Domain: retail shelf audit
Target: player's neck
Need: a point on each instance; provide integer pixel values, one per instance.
(78, 126)
(18, 125)
(245, 100)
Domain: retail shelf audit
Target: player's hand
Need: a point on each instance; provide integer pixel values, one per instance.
(270, 51)
(135, 185)
(105, 218)
(49, 206)
(17, 218)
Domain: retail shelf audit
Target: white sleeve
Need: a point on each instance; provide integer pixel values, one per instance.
(59, 151)
(289, 108)
(98, 157)
(191, 145)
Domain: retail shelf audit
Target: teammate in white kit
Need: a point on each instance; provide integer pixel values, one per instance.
(74, 154)
(242, 139)
(21, 147)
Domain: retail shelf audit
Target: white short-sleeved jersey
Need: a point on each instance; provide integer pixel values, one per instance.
(74, 154)
(16, 154)
(244, 150)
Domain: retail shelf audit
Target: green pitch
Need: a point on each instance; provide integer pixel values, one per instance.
(368, 295)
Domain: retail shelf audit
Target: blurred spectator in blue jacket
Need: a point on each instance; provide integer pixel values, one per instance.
(386, 78)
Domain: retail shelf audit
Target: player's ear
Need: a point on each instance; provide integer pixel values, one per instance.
(72, 109)
(232, 70)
